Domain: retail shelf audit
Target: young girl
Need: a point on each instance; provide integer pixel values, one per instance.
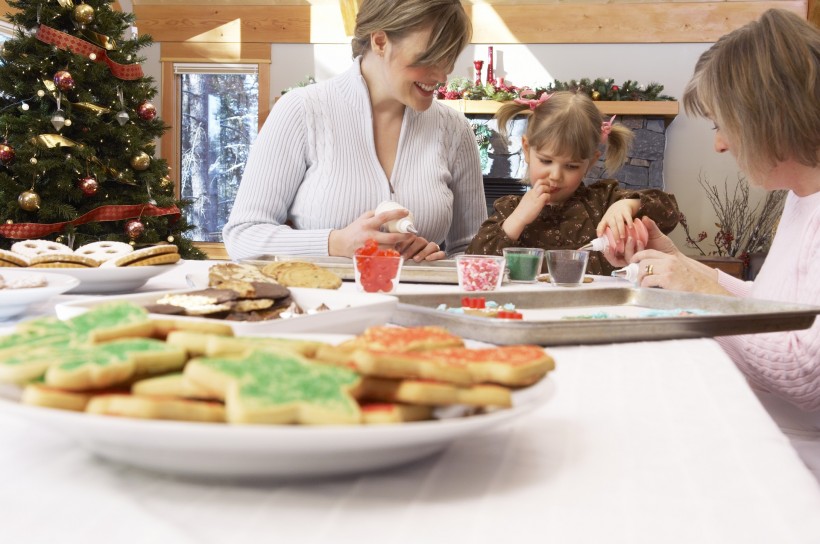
(564, 133)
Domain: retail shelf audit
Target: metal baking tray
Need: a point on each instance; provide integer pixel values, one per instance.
(607, 315)
(443, 271)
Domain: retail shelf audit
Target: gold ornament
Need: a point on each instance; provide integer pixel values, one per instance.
(596, 95)
(9, 221)
(166, 181)
(140, 161)
(83, 14)
(59, 239)
(29, 201)
(170, 238)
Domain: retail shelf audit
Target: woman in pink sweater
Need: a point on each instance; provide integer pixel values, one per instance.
(771, 125)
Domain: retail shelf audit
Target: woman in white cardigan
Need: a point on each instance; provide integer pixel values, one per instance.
(329, 153)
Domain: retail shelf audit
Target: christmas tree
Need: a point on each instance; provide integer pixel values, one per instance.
(78, 131)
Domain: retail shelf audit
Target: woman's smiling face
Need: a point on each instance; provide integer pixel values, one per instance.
(412, 85)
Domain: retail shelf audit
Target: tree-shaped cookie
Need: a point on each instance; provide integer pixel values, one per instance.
(278, 387)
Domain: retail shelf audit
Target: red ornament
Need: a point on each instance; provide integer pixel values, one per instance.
(88, 185)
(146, 111)
(64, 80)
(6, 153)
(616, 88)
(134, 228)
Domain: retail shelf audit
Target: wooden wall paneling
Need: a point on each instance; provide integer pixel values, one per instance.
(229, 23)
(814, 12)
(617, 23)
(576, 22)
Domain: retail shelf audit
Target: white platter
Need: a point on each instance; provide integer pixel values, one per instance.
(350, 312)
(15, 301)
(120, 279)
(207, 450)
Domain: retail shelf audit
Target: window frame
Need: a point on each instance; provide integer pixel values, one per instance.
(171, 99)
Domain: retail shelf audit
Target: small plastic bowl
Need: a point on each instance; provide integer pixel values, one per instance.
(480, 272)
(524, 263)
(567, 266)
(377, 274)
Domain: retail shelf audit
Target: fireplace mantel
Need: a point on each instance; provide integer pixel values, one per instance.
(668, 109)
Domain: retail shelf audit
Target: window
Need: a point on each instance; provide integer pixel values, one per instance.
(215, 97)
(6, 31)
(218, 124)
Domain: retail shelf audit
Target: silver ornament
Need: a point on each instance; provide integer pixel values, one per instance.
(58, 120)
(122, 117)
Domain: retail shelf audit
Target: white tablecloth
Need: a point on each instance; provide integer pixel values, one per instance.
(655, 442)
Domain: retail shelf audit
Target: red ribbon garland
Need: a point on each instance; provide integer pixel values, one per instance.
(76, 45)
(28, 231)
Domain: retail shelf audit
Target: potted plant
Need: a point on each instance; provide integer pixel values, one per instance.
(744, 234)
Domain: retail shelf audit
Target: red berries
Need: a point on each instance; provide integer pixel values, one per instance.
(376, 269)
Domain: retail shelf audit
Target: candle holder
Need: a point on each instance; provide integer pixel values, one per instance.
(479, 64)
(490, 76)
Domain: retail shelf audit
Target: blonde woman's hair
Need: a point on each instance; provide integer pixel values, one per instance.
(760, 84)
(569, 124)
(451, 28)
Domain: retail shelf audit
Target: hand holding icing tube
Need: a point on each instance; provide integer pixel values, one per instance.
(404, 225)
(608, 240)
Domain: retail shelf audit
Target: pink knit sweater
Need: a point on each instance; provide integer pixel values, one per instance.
(785, 365)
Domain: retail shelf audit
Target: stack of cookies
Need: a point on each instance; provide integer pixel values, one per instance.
(47, 254)
(114, 360)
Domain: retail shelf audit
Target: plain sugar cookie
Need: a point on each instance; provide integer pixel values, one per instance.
(33, 248)
(104, 250)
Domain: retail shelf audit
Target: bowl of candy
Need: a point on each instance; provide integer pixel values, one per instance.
(480, 272)
(377, 270)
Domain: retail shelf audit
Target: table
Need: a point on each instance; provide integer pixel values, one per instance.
(644, 442)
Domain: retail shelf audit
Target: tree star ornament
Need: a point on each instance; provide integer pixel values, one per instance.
(29, 201)
(146, 111)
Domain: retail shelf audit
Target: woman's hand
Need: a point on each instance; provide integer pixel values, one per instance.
(528, 209)
(663, 265)
(344, 242)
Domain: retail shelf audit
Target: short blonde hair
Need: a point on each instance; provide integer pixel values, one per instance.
(761, 86)
(569, 124)
(451, 28)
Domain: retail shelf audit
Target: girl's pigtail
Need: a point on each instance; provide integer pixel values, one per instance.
(507, 112)
(617, 146)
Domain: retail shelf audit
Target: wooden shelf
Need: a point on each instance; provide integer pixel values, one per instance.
(667, 109)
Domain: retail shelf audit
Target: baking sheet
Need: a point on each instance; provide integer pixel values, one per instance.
(596, 316)
(443, 271)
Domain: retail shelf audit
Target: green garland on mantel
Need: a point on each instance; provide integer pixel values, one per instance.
(462, 88)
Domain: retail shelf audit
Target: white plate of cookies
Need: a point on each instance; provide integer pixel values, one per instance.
(293, 406)
(21, 288)
(101, 267)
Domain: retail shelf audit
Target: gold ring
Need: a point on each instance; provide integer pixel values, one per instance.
(650, 270)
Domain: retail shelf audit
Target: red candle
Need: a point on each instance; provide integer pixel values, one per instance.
(490, 77)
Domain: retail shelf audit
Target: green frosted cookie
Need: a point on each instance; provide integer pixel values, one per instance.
(278, 387)
(38, 344)
(102, 365)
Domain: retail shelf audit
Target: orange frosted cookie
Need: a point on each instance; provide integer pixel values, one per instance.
(517, 365)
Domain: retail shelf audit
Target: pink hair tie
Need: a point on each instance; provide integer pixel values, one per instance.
(606, 128)
(532, 103)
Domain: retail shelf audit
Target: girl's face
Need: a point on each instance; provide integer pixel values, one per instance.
(413, 86)
(561, 175)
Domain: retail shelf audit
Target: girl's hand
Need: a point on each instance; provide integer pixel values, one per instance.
(528, 209)
(344, 242)
(618, 218)
(655, 240)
